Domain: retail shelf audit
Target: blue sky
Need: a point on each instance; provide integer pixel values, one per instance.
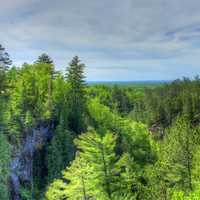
(116, 39)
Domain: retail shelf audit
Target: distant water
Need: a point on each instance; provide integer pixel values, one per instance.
(145, 82)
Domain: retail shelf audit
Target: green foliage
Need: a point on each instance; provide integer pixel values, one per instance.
(120, 99)
(177, 166)
(5, 62)
(161, 105)
(76, 95)
(60, 153)
(4, 166)
(30, 101)
(56, 191)
(117, 158)
(179, 195)
(99, 152)
(133, 137)
(59, 99)
(25, 194)
(96, 173)
(44, 58)
(182, 139)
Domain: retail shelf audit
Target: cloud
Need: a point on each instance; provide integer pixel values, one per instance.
(114, 36)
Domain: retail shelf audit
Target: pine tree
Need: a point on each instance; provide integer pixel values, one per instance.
(99, 151)
(93, 174)
(178, 152)
(76, 95)
(5, 149)
(127, 183)
(56, 191)
(31, 100)
(4, 166)
(180, 195)
(60, 152)
(44, 58)
(132, 136)
(75, 184)
(4, 59)
(5, 62)
(79, 175)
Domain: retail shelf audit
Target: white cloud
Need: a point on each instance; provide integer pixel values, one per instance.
(107, 33)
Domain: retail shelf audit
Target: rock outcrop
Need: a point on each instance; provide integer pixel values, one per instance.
(22, 159)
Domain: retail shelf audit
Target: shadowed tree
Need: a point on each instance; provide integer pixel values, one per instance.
(76, 95)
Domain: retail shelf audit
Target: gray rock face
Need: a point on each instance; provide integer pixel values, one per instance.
(21, 164)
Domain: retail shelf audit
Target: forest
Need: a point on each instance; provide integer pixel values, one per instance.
(62, 138)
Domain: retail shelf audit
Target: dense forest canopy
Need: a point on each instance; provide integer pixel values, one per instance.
(61, 138)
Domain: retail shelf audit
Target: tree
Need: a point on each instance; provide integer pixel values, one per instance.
(132, 136)
(60, 152)
(31, 100)
(59, 99)
(44, 58)
(5, 62)
(176, 157)
(75, 184)
(5, 152)
(4, 59)
(123, 104)
(128, 183)
(79, 175)
(56, 191)
(182, 139)
(76, 95)
(180, 195)
(99, 151)
(97, 172)
(93, 174)
(196, 160)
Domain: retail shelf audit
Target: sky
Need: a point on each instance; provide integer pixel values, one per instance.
(118, 40)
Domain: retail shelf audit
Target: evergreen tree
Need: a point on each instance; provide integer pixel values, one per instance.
(78, 174)
(180, 195)
(4, 59)
(60, 152)
(56, 191)
(96, 173)
(99, 151)
(76, 95)
(44, 58)
(185, 140)
(174, 167)
(91, 174)
(132, 136)
(128, 185)
(59, 99)
(4, 166)
(5, 62)
(31, 99)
